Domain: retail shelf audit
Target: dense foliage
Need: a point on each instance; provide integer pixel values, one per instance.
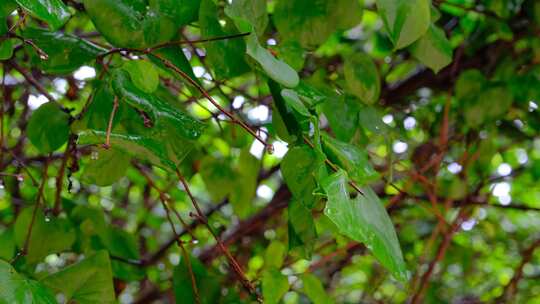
(280, 151)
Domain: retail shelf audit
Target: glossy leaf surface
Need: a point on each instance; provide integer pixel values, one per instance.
(365, 220)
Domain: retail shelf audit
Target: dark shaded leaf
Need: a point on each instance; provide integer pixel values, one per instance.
(56, 132)
(301, 229)
(225, 56)
(208, 285)
(312, 22)
(298, 168)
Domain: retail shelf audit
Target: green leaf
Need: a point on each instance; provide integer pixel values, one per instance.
(51, 235)
(162, 114)
(48, 127)
(143, 74)
(6, 48)
(314, 289)
(139, 146)
(283, 119)
(54, 12)
(218, 177)
(292, 99)
(226, 57)
(7, 239)
(469, 84)
(301, 229)
(273, 67)
(243, 192)
(491, 104)
(16, 289)
(108, 166)
(292, 53)
(253, 11)
(342, 114)
(66, 53)
(298, 168)
(312, 22)
(405, 20)
(350, 158)
(6, 8)
(99, 111)
(365, 220)
(176, 56)
(118, 23)
(362, 77)
(208, 285)
(433, 49)
(88, 281)
(181, 11)
(274, 286)
(127, 25)
(275, 255)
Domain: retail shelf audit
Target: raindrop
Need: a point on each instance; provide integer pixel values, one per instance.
(20, 177)
(94, 155)
(194, 242)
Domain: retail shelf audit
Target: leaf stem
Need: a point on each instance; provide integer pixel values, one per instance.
(334, 167)
(107, 143)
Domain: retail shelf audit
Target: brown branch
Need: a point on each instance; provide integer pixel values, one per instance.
(36, 84)
(39, 197)
(164, 202)
(232, 261)
(249, 226)
(511, 288)
(170, 65)
(441, 251)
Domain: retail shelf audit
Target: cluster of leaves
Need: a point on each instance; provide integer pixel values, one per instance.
(387, 130)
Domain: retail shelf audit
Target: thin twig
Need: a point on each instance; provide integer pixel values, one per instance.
(441, 251)
(164, 201)
(511, 288)
(26, 244)
(170, 65)
(232, 261)
(36, 84)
